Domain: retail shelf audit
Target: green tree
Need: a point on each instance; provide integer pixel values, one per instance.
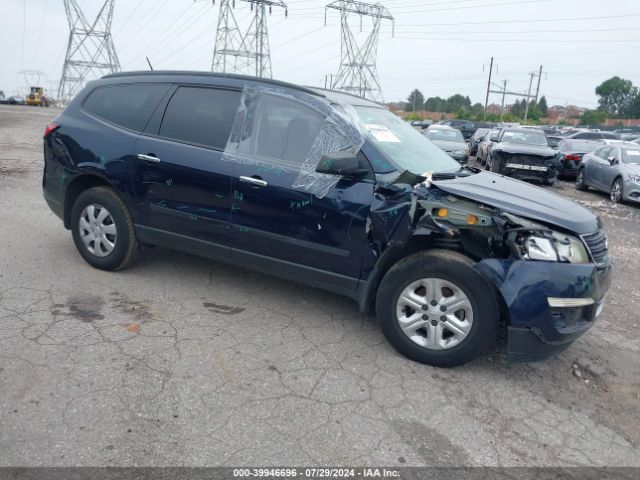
(435, 104)
(415, 101)
(543, 107)
(616, 95)
(594, 117)
(457, 102)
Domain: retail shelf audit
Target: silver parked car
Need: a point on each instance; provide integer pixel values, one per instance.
(614, 169)
(450, 140)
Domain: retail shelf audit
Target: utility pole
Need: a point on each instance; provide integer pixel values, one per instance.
(247, 53)
(90, 50)
(486, 101)
(358, 73)
(538, 88)
(526, 109)
(504, 92)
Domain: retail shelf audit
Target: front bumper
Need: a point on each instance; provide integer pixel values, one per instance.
(536, 329)
(631, 191)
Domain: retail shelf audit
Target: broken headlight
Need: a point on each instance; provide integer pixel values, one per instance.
(556, 247)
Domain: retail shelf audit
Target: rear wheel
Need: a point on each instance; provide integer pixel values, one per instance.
(435, 308)
(580, 183)
(103, 229)
(617, 191)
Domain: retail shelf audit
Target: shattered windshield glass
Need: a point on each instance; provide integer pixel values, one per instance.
(401, 144)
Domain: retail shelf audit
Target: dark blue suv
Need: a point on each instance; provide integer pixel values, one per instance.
(330, 190)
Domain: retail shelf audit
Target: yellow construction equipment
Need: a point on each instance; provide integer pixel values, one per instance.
(37, 98)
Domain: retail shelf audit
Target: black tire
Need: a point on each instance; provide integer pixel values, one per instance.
(617, 195)
(451, 267)
(549, 182)
(126, 247)
(580, 184)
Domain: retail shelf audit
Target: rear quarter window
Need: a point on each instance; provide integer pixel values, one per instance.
(128, 106)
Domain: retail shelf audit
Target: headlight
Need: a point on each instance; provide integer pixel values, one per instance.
(634, 178)
(458, 152)
(559, 247)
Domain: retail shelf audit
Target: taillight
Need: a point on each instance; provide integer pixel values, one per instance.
(52, 127)
(575, 158)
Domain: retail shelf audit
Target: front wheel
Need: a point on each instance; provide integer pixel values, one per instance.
(617, 191)
(436, 309)
(103, 229)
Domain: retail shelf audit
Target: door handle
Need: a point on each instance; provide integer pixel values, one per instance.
(254, 181)
(148, 158)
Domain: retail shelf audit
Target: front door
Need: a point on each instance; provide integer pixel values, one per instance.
(296, 230)
(182, 185)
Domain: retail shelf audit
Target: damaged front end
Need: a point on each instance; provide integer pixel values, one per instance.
(525, 166)
(551, 286)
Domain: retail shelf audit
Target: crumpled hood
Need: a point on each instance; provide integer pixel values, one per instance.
(449, 146)
(520, 198)
(518, 148)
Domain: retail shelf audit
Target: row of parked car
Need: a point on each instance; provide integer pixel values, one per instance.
(602, 160)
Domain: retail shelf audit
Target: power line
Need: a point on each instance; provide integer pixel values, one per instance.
(90, 51)
(249, 52)
(358, 73)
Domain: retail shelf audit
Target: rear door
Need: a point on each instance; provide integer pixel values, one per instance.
(277, 227)
(182, 185)
(593, 168)
(609, 171)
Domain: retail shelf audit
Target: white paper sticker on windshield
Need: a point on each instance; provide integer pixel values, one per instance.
(382, 133)
(633, 152)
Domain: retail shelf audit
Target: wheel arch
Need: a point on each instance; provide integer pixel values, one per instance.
(78, 185)
(366, 296)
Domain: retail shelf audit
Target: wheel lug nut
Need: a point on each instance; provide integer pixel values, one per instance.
(443, 318)
(425, 317)
(443, 309)
(434, 322)
(434, 303)
(425, 307)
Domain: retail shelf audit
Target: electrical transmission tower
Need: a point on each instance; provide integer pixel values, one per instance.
(90, 51)
(358, 73)
(248, 53)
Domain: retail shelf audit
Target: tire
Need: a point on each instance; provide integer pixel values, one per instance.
(444, 270)
(117, 246)
(549, 182)
(580, 184)
(617, 191)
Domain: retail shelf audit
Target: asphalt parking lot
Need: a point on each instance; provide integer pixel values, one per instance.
(184, 361)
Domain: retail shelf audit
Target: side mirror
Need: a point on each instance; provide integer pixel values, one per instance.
(344, 164)
(612, 160)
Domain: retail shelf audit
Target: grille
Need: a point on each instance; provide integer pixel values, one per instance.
(597, 245)
(529, 159)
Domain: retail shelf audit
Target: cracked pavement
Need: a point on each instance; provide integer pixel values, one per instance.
(181, 361)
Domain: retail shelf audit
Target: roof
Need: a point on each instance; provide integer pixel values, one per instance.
(345, 98)
(211, 75)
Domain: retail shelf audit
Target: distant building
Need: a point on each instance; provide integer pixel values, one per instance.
(561, 112)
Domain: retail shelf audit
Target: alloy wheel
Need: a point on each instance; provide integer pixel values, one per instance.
(434, 313)
(97, 230)
(616, 191)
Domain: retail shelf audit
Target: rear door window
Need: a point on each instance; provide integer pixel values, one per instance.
(201, 116)
(128, 106)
